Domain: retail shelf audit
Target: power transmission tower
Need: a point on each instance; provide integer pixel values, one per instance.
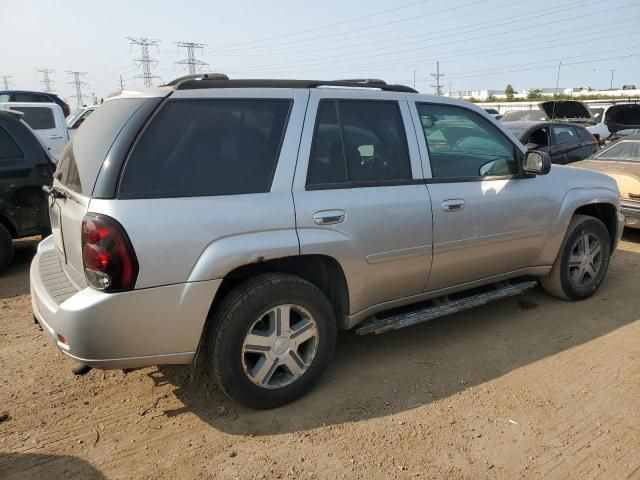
(145, 61)
(121, 83)
(5, 79)
(78, 83)
(437, 76)
(191, 62)
(46, 79)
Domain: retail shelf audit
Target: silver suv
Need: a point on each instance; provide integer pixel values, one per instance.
(243, 222)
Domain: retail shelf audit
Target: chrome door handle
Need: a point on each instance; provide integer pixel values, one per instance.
(329, 217)
(55, 137)
(454, 205)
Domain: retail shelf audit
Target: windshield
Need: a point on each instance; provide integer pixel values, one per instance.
(515, 115)
(597, 113)
(517, 131)
(626, 150)
(72, 116)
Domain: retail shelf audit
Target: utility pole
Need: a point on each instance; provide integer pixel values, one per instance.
(5, 79)
(611, 84)
(46, 79)
(558, 78)
(437, 76)
(191, 62)
(145, 61)
(78, 83)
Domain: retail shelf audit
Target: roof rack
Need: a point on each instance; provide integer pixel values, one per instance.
(219, 80)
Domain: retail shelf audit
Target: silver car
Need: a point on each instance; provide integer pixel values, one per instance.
(243, 222)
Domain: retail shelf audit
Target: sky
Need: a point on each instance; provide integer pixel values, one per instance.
(480, 44)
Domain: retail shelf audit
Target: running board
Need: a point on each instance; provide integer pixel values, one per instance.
(442, 307)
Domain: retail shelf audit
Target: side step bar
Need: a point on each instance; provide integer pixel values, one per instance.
(441, 308)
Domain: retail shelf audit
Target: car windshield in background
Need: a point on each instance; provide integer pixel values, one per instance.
(73, 116)
(517, 131)
(529, 115)
(597, 113)
(626, 150)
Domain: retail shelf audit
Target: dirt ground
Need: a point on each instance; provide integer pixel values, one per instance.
(528, 387)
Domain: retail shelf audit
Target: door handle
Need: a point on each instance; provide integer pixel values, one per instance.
(329, 217)
(55, 137)
(454, 205)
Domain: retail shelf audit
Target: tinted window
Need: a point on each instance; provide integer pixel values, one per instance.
(564, 134)
(38, 118)
(207, 147)
(539, 137)
(8, 147)
(29, 97)
(464, 144)
(83, 156)
(358, 143)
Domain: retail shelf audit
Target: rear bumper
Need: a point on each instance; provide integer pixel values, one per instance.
(152, 326)
(631, 212)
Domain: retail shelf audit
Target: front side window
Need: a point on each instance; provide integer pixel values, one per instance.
(207, 147)
(539, 138)
(564, 134)
(38, 118)
(463, 144)
(9, 150)
(358, 143)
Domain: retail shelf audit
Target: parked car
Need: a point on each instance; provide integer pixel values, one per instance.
(77, 117)
(25, 166)
(566, 110)
(614, 118)
(564, 142)
(242, 222)
(33, 97)
(621, 161)
(47, 120)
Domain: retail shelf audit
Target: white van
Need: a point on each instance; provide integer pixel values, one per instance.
(47, 120)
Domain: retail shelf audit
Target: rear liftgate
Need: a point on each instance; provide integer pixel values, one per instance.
(443, 306)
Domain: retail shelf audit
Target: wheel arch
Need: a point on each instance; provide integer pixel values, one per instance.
(606, 213)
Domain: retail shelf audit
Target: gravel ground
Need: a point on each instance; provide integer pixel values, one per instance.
(527, 387)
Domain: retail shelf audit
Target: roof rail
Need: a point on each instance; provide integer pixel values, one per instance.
(197, 76)
(197, 83)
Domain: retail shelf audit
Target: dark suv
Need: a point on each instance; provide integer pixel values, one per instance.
(28, 96)
(25, 166)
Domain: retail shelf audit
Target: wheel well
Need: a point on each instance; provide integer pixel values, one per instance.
(606, 213)
(320, 270)
(9, 226)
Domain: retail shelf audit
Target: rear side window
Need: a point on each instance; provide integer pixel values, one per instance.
(38, 118)
(29, 97)
(564, 134)
(358, 143)
(9, 149)
(207, 147)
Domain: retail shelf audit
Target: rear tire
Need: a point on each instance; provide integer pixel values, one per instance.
(6, 248)
(270, 340)
(582, 262)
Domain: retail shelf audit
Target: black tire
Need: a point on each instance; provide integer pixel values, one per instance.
(234, 318)
(560, 282)
(6, 248)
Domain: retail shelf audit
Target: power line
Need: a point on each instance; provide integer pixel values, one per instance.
(145, 61)
(191, 62)
(437, 76)
(5, 80)
(46, 79)
(78, 83)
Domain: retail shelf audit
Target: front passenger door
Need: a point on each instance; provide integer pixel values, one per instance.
(489, 218)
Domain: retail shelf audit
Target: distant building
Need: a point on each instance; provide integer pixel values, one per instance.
(484, 95)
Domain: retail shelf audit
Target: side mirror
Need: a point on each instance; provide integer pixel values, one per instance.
(536, 163)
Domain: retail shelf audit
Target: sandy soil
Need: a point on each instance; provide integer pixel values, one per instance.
(528, 387)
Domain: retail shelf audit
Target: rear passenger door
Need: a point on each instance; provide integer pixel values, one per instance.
(359, 197)
(488, 218)
(50, 127)
(567, 147)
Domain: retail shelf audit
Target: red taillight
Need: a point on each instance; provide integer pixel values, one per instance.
(596, 137)
(109, 260)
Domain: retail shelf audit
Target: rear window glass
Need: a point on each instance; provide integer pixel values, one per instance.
(38, 118)
(82, 158)
(9, 150)
(207, 147)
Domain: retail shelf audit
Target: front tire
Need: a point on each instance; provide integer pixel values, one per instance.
(270, 340)
(582, 262)
(6, 248)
